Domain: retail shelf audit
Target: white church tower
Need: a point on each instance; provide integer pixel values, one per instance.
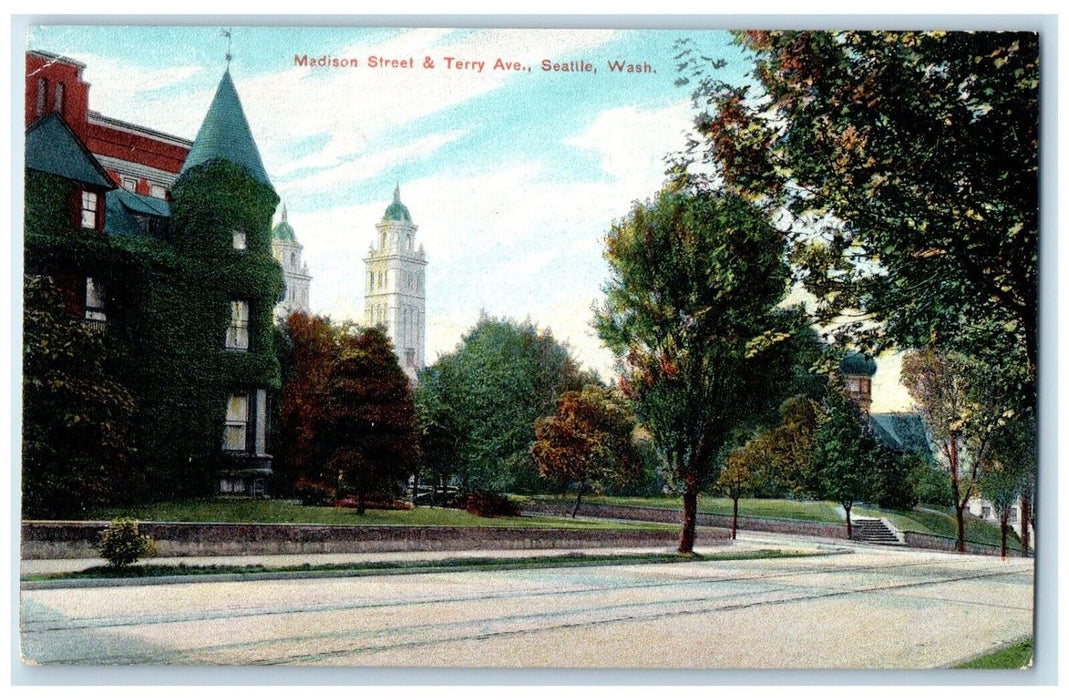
(394, 295)
(287, 251)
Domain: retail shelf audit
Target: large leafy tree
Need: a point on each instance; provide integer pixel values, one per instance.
(691, 311)
(76, 419)
(367, 428)
(487, 395)
(587, 441)
(962, 401)
(307, 351)
(906, 164)
(846, 456)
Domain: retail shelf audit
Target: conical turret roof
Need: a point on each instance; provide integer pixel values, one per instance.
(225, 134)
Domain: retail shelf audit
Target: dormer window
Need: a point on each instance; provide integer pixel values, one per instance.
(237, 335)
(239, 240)
(89, 210)
(129, 183)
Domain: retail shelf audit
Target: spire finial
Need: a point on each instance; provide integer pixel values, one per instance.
(397, 192)
(226, 33)
(283, 212)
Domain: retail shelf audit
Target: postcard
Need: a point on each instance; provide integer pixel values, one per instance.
(529, 348)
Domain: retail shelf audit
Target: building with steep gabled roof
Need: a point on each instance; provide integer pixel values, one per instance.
(181, 281)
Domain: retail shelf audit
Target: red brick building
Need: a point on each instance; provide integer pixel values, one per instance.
(138, 159)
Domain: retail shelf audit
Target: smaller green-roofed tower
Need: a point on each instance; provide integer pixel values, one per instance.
(287, 250)
(858, 370)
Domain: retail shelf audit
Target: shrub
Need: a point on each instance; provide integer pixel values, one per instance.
(374, 503)
(123, 545)
(313, 493)
(931, 481)
(489, 505)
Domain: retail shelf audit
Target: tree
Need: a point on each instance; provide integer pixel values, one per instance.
(846, 456)
(1008, 471)
(588, 440)
(307, 352)
(76, 419)
(737, 475)
(691, 313)
(961, 403)
(440, 437)
(916, 208)
(367, 428)
(501, 377)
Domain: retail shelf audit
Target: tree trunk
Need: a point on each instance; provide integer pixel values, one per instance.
(734, 516)
(577, 499)
(360, 502)
(849, 524)
(1004, 523)
(1026, 507)
(690, 515)
(415, 488)
(959, 506)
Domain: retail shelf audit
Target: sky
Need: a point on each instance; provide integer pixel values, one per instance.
(513, 176)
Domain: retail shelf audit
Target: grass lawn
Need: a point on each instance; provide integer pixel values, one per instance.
(944, 524)
(1011, 657)
(270, 511)
(422, 566)
(812, 511)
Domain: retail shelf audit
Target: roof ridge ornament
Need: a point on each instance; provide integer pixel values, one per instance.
(226, 33)
(397, 192)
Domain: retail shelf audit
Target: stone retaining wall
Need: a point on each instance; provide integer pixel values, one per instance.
(671, 515)
(950, 544)
(72, 540)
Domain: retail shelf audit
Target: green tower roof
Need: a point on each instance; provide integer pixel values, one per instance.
(283, 231)
(225, 134)
(858, 365)
(397, 211)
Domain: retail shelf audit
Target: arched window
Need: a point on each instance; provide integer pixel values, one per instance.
(58, 106)
(42, 95)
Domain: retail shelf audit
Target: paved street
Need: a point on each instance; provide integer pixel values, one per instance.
(868, 608)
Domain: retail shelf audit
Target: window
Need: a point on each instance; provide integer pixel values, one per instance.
(239, 240)
(94, 301)
(157, 191)
(853, 384)
(129, 183)
(42, 95)
(89, 210)
(237, 335)
(237, 423)
(58, 106)
(985, 511)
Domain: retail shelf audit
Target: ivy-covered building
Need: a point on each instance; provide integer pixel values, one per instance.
(182, 290)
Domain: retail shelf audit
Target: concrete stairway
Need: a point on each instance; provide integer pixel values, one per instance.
(873, 531)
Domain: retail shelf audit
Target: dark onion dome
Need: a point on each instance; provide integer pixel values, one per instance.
(397, 211)
(283, 231)
(857, 365)
(225, 135)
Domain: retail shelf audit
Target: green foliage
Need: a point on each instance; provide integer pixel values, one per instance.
(367, 429)
(692, 314)
(931, 482)
(588, 441)
(893, 486)
(917, 207)
(846, 456)
(122, 544)
(480, 402)
(168, 308)
(313, 493)
(76, 420)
